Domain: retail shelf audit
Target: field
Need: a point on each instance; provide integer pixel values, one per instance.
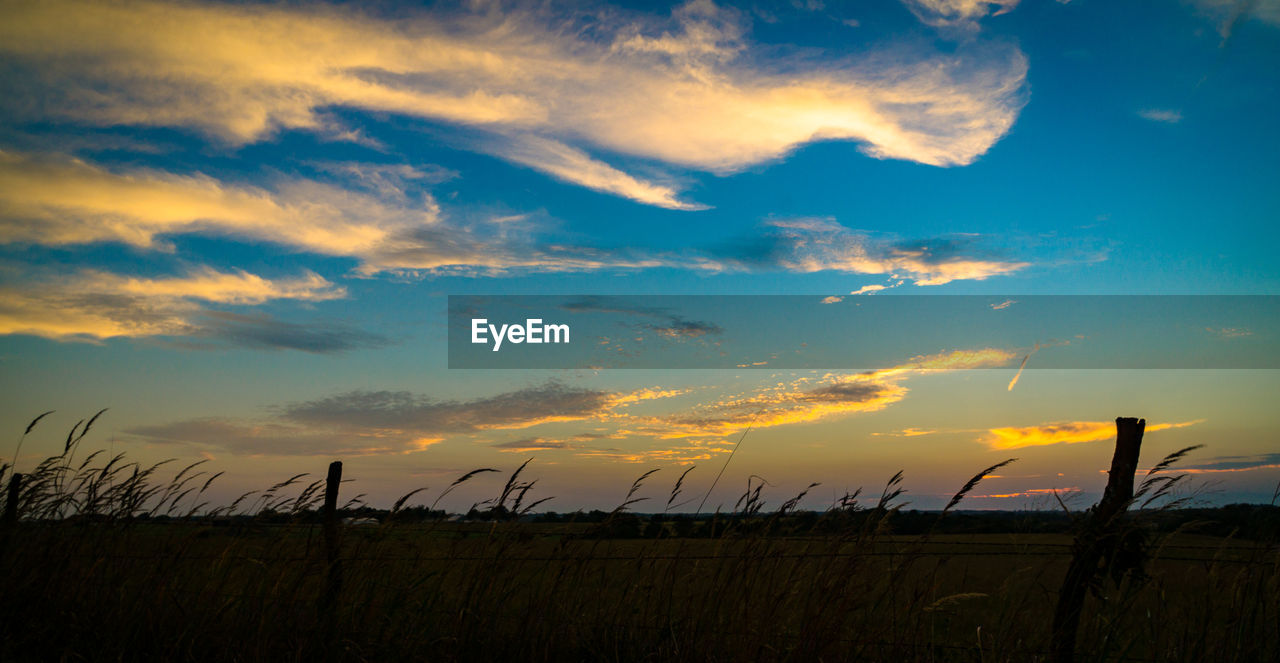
(516, 591)
(103, 561)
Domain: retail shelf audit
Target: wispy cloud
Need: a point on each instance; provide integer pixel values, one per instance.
(528, 444)
(275, 438)
(1029, 492)
(1230, 332)
(670, 324)
(962, 15)
(577, 167)
(1231, 13)
(689, 90)
(360, 422)
(264, 332)
(1234, 464)
(808, 400)
(1071, 432)
(92, 305)
(55, 200)
(1165, 115)
(814, 245)
(402, 422)
(907, 432)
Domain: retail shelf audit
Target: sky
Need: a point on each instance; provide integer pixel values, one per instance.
(238, 226)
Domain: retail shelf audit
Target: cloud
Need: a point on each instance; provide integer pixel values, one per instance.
(907, 432)
(680, 328)
(1030, 492)
(276, 438)
(404, 422)
(402, 410)
(93, 305)
(671, 325)
(1231, 13)
(264, 332)
(690, 90)
(804, 400)
(1161, 115)
(528, 444)
(960, 15)
(577, 167)
(54, 200)
(814, 245)
(1230, 332)
(364, 422)
(1072, 432)
(1234, 464)
(869, 289)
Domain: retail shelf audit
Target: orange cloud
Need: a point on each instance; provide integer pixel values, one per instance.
(802, 401)
(1072, 432)
(1030, 492)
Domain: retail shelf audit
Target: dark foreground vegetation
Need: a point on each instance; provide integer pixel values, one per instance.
(103, 560)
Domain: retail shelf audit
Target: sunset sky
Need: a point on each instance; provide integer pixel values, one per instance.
(237, 225)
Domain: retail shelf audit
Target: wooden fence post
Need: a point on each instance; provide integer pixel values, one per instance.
(1088, 549)
(332, 536)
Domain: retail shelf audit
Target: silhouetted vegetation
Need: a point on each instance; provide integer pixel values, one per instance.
(109, 560)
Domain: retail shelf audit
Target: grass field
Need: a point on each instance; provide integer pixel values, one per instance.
(520, 591)
(94, 569)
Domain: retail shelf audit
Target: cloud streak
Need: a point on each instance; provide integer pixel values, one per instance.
(1071, 432)
(806, 400)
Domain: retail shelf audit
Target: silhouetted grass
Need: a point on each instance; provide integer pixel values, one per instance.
(116, 561)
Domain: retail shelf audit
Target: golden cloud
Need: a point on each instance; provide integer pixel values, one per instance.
(97, 305)
(1071, 432)
(690, 90)
(806, 401)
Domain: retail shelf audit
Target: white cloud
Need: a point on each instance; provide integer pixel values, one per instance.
(1161, 115)
(813, 245)
(575, 166)
(690, 91)
(961, 14)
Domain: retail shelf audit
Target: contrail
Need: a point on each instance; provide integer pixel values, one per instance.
(1019, 373)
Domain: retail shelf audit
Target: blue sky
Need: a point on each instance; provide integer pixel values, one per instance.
(226, 220)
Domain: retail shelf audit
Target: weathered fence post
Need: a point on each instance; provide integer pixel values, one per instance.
(332, 536)
(1087, 551)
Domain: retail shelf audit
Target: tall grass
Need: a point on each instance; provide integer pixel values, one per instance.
(93, 572)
